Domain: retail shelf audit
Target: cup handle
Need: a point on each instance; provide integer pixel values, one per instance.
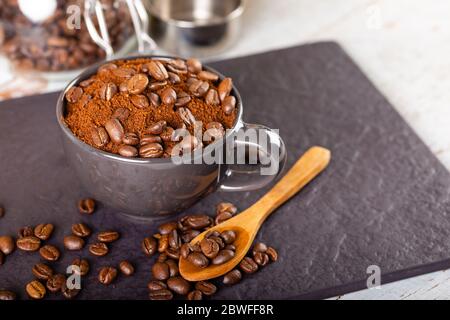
(255, 180)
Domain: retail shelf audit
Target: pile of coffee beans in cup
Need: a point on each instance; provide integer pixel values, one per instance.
(54, 44)
(151, 108)
(171, 242)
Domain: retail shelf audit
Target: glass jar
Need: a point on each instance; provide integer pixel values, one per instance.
(51, 36)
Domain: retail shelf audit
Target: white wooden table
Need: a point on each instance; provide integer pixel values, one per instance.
(402, 45)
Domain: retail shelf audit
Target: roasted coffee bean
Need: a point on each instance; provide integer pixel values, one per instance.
(55, 282)
(205, 287)
(162, 257)
(139, 101)
(195, 295)
(43, 231)
(128, 151)
(163, 243)
(99, 136)
(223, 257)
(155, 285)
(149, 246)
(169, 96)
(157, 70)
(86, 206)
(160, 271)
(222, 217)
(25, 232)
(151, 150)
(49, 253)
(82, 265)
(155, 100)
(167, 227)
(74, 94)
(225, 88)
(248, 265)
(42, 271)
(198, 222)
(231, 247)
(228, 236)
(115, 130)
(163, 294)
(179, 285)
(272, 253)
(126, 268)
(156, 86)
(187, 116)
(69, 293)
(185, 250)
(27, 244)
(207, 76)
(194, 65)
(195, 247)
(259, 247)
(2, 212)
(228, 105)
(107, 275)
(137, 84)
(173, 253)
(107, 67)
(87, 83)
(232, 277)
(122, 114)
(182, 99)
(73, 243)
(174, 240)
(198, 259)
(199, 88)
(7, 245)
(189, 235)
(131, 139)
(174, 78)
(81, 230)
(219, 241)
(173, 267)
(6, 295)
(212, 97)
(226, 207)
(210, 248)
(124, 73)
(214, 131)
(35, 290)
(261, 258)
(108, 236)
(149, 138)
(212, 233)
(99, 249)
(178, 64)
(157, 128)
(107, 91)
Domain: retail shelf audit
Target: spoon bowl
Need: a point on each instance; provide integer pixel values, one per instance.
(247, 224)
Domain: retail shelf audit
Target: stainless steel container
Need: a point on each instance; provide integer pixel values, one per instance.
(200, 28)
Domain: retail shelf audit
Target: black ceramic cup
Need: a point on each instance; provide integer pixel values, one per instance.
(150, 188)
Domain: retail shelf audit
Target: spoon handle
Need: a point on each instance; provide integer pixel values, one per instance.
(313, 162)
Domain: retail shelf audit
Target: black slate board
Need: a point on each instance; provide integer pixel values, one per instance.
(384, 200)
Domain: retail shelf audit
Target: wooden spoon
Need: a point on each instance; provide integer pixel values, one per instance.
(247, 224)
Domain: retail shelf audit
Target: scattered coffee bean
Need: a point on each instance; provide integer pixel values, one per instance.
(160, 271)
(107, 275)
(259, 247)
(195, 295)
(49, 252)
(99, 137)
(121, 114)
(137, 84)
(30, 243)
(232, 277)
(69, 293)
(155, 100)
(248, 265)
(206, 288)
(149, 138)
(182, 99)
(179, 285)
(199, 88)
(107, 91)
(73, 243)
(7, 245)
(128, 151)
(212, 97)
(126, 268)
(168, 227)
(6, 295)
(229, 105)
(173, 253)
(194, 65)
(189, 235)
(173, 267)
(225, 88)
(123, 73)
(55, 283)
(198, 221)
(222, 217)
(149, 246)
(108, 236)
(156, 86)
(81, 230)
(261, 258)
(169, 96)
(174, 240)
(157, 70)
(155, 285)
(43, 231)
(151, 150)
(226, 207)
(163, 294)
(131, 139)
(74, 94)
(139, 101)
(42, 271)
(185, 250)
(25, 232)
(115, 130)
(82, 265)
(207, 76)
(174, 78)
(272, 253)
(99, 249)
(214, 131)
(35, 290)
(86, 206)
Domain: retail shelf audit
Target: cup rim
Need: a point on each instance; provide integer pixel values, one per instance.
(61, 104)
